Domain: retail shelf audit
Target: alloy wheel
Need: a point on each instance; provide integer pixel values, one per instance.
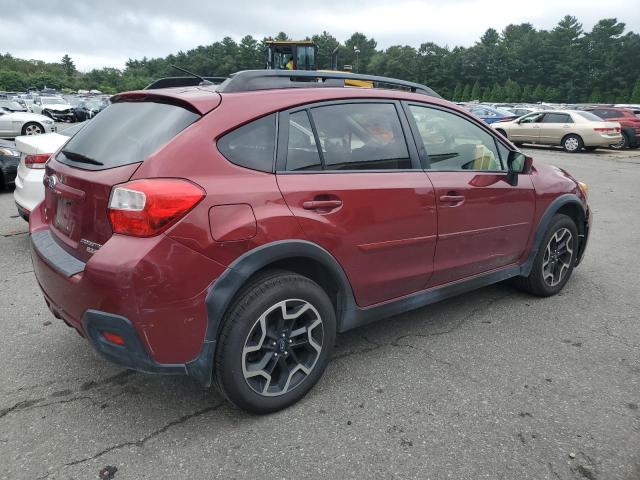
(571, 144)
(33, 130)
(557, 257)
(282, 347)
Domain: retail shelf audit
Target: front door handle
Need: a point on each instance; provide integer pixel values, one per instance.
(453, 200)
(322, 204)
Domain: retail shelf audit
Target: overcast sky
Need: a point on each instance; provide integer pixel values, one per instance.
(106, 33)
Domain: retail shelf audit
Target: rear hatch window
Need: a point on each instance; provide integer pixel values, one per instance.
(125, 133)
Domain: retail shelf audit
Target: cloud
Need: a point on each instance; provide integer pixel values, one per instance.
(99, 34)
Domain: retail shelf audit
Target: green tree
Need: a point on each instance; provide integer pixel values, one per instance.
(466, 93)
(476, 93)
(67, 65)
(511, 91)
(249, 54)
(326, 44)
(635, 94)
(539, 93)
(359, 50)
(497, 93)
(486, 94)
(527, 94)
(457, 93)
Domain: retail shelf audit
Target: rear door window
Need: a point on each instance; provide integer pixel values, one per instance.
(557, 118)
(361, 136)
(125, 133)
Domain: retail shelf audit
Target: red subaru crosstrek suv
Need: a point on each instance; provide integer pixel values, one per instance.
(228, 232)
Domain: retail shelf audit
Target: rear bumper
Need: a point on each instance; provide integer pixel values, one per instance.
(595, 140)
(132, 354)
(150, 290)
(29, 190)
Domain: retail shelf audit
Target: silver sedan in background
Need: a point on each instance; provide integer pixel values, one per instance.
(13, 124)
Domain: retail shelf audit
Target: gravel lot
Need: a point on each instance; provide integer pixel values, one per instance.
(494, 384)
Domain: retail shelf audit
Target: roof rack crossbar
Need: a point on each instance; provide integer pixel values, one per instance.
(251, 80)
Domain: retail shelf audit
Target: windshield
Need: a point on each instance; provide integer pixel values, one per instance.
(590, 116)
(11, 105)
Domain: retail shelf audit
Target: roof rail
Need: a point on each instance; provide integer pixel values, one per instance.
(251, 80)
(169, 82)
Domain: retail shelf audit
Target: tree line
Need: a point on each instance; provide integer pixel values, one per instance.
(521, 63)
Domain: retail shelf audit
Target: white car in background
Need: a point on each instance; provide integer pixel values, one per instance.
(13, 124)
(56, 108)
(34, 152)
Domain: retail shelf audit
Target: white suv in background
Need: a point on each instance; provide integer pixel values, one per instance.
(34, 152)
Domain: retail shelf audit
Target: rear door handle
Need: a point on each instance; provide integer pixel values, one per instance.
(321, 204)
(454, 200)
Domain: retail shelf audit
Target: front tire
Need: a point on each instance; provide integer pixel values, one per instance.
(572, 143)
(555, 260)
(32, 128)
(275, 342)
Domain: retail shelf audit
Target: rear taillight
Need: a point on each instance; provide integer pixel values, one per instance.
(143, 208)
(36, 161)
(607, 129)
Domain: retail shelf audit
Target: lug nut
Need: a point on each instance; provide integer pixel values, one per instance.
(275, 355)
(290, 341)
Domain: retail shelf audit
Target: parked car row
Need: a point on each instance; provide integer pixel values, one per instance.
(574, 127)
(59, 107)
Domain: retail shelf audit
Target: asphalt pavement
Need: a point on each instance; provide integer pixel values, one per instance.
(494, 384)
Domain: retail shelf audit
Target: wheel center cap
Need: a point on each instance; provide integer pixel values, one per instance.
(282, 345)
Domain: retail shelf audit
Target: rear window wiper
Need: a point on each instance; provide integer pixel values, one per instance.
(78, 157)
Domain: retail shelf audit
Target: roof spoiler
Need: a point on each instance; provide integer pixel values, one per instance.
(172, 82)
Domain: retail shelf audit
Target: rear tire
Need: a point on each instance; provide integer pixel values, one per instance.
(32, 128)
(572, 143)
(622, 144)
(555, 260)
(275, 342)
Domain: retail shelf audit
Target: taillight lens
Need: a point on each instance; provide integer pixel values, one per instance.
(143, 208)
(36, 161)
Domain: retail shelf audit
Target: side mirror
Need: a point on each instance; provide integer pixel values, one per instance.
(518, 163)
